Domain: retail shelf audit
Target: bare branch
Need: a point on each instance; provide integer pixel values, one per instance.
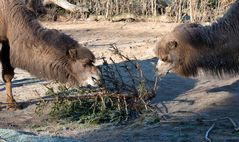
(208, 131)
(66, 5)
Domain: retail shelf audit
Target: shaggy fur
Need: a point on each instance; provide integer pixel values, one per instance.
(43, 52)
(213, 48)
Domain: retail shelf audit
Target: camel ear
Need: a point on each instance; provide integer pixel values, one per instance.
(72, 53)
(172, 44)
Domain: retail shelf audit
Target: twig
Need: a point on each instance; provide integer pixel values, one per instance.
(155, 84)
(116, 69)
(38, 94)
(116, 51)
(208, 131)
(145, 104)
(122, 83)
(90, 95)
(100, 44)
(118, 104)
(2, 140)
(131, 77)
(103, 102)
(126, 108)
(110, 74)
(236, 128)
(210, 120)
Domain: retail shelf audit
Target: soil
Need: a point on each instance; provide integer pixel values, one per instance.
(187, 107)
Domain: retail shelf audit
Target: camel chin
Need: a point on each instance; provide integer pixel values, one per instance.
(163, 68)
(93, 79)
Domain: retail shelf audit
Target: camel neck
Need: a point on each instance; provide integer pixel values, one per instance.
(220, 61)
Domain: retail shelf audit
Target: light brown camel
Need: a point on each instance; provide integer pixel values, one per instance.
(213, 48)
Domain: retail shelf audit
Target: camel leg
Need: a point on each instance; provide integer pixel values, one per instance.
(11, 103)
(7, 75)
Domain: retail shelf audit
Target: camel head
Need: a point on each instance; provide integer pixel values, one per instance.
(82, 68)
(178, 51)
(169, 59)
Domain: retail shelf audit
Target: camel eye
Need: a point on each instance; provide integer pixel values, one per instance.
(88, 64)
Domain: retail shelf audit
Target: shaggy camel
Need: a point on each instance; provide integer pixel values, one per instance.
(213, 48)
(44, 53)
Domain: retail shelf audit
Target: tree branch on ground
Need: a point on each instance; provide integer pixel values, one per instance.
(66, 5)
(38, 5)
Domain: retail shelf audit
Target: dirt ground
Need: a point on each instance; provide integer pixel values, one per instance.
(183, 104)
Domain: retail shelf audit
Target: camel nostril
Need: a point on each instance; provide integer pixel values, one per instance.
(156, 69)
(94, 79)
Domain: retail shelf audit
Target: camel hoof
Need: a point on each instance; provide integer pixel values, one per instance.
(14, 107)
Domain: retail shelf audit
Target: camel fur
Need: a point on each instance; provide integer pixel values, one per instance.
(192, 47)
(45, 53)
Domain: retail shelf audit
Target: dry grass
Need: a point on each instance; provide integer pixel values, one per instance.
(178, 10)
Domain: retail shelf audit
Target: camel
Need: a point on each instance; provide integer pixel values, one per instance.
(45, 53)
(192, 47)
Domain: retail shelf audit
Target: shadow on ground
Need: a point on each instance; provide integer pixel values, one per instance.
(232, 88)
(22, 82)
(187, 130)
(190, 129)
(170, 88)
(16, 136)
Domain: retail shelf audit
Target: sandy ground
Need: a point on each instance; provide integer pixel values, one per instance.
(185, 102)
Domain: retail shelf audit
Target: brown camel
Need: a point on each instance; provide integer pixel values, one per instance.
(213, 48)
(44, 53)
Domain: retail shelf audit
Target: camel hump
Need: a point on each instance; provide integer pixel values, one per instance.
(57, 39)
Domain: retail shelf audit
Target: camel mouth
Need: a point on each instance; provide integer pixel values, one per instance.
(163, 68)
(93, 80)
